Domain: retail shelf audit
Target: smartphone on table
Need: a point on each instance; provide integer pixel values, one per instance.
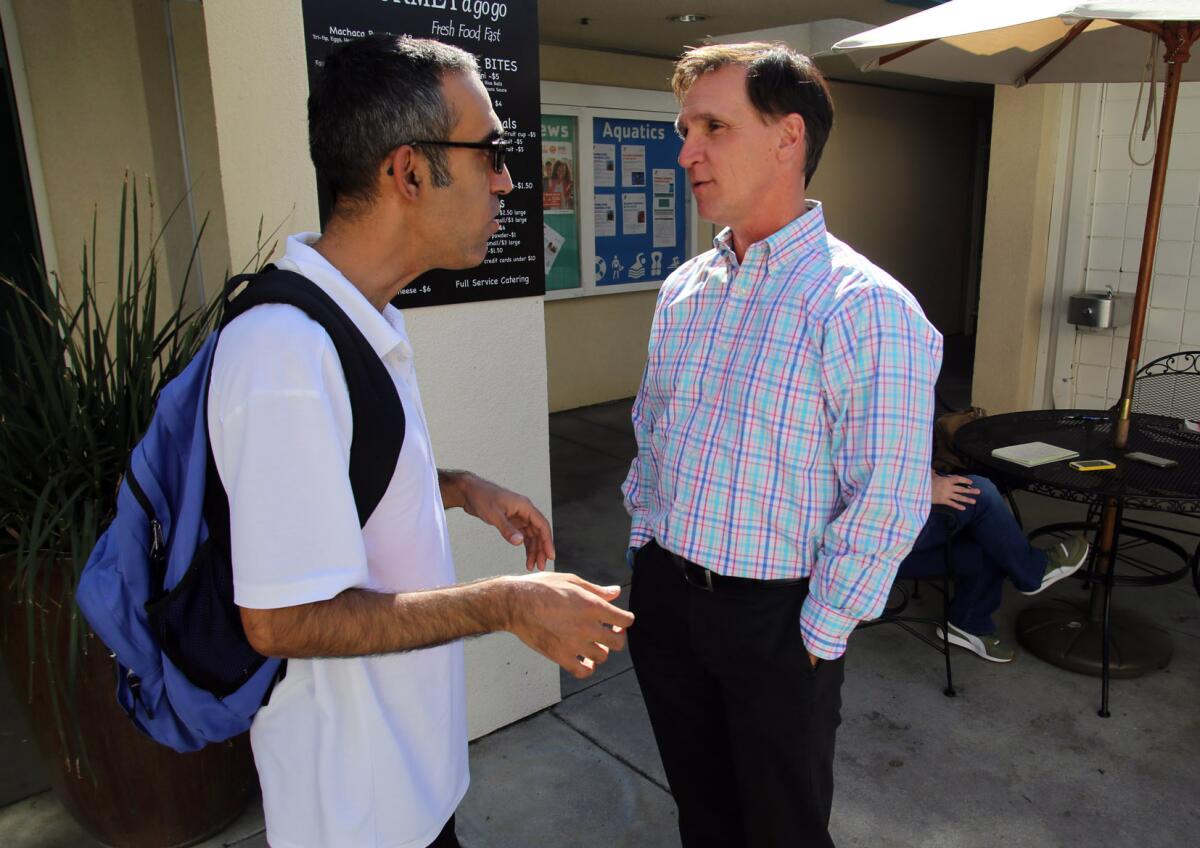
(1092, 465)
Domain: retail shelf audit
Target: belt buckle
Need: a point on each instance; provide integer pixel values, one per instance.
(685, 567)
(706, 584)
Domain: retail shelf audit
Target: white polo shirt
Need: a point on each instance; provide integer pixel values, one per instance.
(364, 751)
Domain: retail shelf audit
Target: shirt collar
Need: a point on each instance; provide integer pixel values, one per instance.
(384, 331)
(796, 236)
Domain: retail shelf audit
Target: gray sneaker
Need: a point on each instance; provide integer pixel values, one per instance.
(988, 647)
(1063, 560)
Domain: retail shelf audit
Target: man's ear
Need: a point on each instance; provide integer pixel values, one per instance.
(792, 138)
(400, 171)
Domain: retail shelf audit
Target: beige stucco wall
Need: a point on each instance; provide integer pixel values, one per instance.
(195, 94)
(594, 67)
(482, 366)
(85, 87)
(259, 88)
(1024, 152)
(102, 103)
(895, 180)
(596, 347)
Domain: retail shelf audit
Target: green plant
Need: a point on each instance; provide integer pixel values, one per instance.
(79, 394)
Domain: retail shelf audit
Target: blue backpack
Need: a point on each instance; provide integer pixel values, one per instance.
(158, 587)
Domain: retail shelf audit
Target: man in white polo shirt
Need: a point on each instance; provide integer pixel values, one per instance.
(363, 743)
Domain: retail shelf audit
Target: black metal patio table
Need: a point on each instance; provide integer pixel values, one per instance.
(1096, 639)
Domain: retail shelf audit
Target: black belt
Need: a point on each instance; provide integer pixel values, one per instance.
(711, 581)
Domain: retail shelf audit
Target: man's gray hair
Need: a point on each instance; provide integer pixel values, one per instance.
(373, 95)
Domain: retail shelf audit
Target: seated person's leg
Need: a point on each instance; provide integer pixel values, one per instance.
(1005, 552)
(977, 594)
(978, 582)
(1004, 544)
(976, 589)
(932, 536)
(1030, 569)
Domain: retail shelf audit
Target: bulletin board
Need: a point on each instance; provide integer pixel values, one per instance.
(618, 209)
(639, 202)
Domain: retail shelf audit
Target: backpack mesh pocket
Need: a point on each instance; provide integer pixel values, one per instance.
(200, 628)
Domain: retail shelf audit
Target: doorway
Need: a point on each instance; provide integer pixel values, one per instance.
(20, 246)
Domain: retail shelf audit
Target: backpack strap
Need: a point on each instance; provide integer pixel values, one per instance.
(375, 405)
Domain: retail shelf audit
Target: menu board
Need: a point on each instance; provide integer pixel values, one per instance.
(503, 36)
(640, 206)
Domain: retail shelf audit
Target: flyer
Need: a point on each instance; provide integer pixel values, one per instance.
(553, 242)
(664, 228)
(633, 166)
(558, 182)
(606, 215)
(633, 214)
(664, 181)
(604, 165)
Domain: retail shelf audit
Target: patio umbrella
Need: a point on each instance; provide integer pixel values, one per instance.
(1053, 41)
(1017, 42)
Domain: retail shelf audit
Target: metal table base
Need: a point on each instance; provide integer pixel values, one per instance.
(1064, 635)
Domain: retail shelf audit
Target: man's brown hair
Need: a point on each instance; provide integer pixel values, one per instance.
(779, 81)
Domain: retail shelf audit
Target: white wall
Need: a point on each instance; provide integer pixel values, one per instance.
(482, 366)
(482, 369)
(1116, 213)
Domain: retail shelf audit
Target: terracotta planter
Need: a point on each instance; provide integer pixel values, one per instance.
(137, 793)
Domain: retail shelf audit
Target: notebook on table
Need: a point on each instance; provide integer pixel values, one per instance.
(1030, 454)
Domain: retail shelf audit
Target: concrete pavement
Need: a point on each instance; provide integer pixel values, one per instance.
(1019, 758)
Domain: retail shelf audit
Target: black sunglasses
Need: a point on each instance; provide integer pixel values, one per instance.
(498, 146)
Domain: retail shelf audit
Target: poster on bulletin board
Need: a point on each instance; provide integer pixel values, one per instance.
(640, 206)
(560, 170)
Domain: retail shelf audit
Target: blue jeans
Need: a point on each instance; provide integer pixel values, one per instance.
(979, 585)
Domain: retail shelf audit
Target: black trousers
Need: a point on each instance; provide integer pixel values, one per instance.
(447, 838)
(744, 723)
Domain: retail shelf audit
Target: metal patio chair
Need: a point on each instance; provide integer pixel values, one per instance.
(938, 565)
(1170, 385)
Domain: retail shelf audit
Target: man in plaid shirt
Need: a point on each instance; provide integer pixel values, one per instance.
(783, 427)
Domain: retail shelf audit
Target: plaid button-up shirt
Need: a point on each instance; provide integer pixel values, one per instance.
(783, 422)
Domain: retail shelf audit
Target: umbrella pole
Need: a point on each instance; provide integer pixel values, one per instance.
(1177, 44)
(1178, 39)
(1092, 641)
(1085, 641)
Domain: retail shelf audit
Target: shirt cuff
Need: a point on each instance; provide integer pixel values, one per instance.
(825, 630)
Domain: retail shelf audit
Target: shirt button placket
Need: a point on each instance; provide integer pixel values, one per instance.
(731, 310)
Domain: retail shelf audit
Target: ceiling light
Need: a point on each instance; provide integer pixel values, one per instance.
(686, 19)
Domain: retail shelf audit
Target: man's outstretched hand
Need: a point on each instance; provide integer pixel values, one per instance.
(515, 516)
(567, 619)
